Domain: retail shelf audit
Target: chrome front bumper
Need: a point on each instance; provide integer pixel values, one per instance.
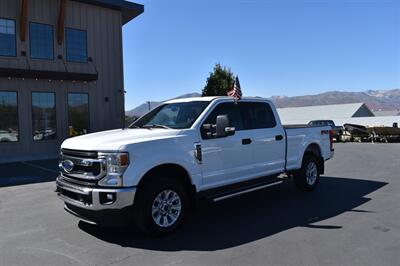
(91, 198)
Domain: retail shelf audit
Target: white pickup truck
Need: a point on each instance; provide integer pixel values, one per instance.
(155, 171)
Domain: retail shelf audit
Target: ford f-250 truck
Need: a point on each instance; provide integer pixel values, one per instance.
(213, 148)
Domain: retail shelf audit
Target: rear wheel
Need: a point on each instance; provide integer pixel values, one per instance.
(161, 206)
(307, 178)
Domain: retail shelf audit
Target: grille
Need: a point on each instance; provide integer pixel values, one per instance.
(79, 154)
(86, 166)
(79, 182)
(95, 168)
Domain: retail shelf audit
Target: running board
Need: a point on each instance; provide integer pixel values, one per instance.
(246, 191)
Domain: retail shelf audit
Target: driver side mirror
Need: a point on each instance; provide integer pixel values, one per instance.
(223, 128)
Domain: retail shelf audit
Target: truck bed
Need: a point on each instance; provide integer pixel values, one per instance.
(298, 137)
(297, 126)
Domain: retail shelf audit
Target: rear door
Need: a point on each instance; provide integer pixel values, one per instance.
(228, 159)
(267, 137)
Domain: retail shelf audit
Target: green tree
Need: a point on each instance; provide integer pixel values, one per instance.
(219, 82)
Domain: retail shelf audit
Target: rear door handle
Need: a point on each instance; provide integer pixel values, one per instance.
(278, 137)
(246, 141)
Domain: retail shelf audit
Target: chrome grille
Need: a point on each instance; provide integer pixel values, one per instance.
(79, 182)
(86, 165)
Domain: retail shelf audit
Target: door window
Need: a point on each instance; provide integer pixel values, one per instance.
(44, 124)
(8, 117)
(257, 115)
(78, 114)
(229, 109)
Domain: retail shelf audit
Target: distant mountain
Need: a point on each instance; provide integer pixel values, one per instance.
(384, 100)
(377, 100)
(144, 107)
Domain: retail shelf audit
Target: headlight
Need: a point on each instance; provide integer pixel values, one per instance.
(116, 164)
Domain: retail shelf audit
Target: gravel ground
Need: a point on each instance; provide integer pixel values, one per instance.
(353, 218)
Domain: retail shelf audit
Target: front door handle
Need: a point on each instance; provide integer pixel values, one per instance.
(246, 141)
(278, 137)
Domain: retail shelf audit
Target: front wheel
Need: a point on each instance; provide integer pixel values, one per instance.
(307, 178)
(161, 207)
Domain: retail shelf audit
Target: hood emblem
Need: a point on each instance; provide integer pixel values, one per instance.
(67, 165)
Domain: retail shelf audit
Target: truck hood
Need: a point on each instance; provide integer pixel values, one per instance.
(114, 140)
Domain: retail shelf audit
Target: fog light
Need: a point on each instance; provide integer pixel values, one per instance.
(107, 197)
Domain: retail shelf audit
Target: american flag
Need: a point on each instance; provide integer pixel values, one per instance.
(236, 92)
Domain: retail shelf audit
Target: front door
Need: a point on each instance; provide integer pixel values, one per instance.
(228, 159)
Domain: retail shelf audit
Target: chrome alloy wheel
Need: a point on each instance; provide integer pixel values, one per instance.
(311, 173)
(166, 208)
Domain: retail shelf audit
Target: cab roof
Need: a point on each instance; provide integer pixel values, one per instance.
(212, 98)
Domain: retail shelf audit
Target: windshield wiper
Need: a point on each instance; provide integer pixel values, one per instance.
(156, 126)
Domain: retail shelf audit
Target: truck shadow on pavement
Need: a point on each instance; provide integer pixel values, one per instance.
(253, 216)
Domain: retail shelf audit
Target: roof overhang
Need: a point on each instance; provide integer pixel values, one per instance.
(46, 74)
(128, 9)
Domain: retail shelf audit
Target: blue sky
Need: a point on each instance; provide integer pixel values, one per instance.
(276, 47)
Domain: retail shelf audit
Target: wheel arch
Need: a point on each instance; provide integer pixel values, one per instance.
(315, 150)
(171, 170)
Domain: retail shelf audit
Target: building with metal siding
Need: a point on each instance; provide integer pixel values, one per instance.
(61, 72)
(386, 113)
(353, 113)
(303, 115)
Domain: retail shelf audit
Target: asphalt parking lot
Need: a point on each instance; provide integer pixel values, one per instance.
(20, 173)
(353, 218)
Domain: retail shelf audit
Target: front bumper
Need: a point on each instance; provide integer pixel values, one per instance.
(94, 198)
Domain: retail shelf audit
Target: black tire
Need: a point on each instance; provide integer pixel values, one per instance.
(300, 177)
(144, 202)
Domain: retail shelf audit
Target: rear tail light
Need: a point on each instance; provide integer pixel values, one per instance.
(331, 139)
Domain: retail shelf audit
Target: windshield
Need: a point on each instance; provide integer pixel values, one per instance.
(172, 115)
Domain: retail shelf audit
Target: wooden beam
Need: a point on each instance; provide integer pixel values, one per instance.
(23, 23)
(61, 19)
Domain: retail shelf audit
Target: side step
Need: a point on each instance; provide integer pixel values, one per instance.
(234, 194)
(232, 190)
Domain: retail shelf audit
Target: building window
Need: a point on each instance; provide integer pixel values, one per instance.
(41, 41)
(8, 117)
(44, 123)
(76, 42)
(7, 37)
(78, 114)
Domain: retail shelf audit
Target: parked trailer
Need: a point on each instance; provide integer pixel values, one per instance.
(385, 134)
(361, 133)
(358, 133)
